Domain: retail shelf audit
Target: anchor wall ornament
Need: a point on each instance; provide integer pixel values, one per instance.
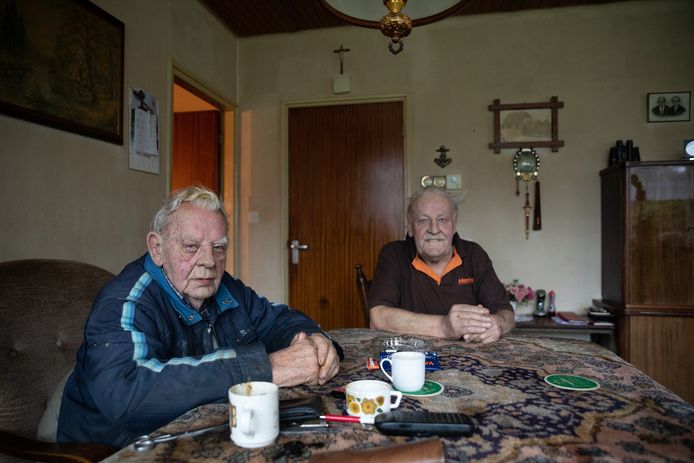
(443, 160)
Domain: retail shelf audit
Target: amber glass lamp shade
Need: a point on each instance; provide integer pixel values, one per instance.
(394, 18)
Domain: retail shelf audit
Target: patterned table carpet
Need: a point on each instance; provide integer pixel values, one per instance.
(518, 416)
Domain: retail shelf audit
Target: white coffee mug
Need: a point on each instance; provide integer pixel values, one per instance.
(407, 370)
(368, 398)
(254, 414)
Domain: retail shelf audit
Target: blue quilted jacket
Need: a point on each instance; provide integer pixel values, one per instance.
(148, 357)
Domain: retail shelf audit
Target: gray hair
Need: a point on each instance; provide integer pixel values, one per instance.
(198, 195)
(431, 190)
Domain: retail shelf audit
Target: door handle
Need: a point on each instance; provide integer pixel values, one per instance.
(295, 246)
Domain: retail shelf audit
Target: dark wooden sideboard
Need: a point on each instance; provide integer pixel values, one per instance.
(546, 326)
(647, 211)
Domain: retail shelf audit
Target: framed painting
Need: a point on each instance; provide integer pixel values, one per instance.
(668, 106)
(61, 65)
(526, 125)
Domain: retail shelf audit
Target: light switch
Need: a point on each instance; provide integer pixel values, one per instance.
(454, 182)
(253, 217)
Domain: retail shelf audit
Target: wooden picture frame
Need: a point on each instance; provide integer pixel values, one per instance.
(668, 107)
(62, 64)
(526, 125)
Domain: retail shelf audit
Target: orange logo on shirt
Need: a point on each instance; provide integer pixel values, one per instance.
(465, 281)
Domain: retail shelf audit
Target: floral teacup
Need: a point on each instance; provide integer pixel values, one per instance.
(368, 398)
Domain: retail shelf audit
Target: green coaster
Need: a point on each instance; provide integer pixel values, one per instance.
(572, 382)
(430, 388)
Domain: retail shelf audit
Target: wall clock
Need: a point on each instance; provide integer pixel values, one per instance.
(689, 149)
(526, 164)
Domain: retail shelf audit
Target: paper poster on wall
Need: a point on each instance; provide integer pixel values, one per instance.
(144, 131)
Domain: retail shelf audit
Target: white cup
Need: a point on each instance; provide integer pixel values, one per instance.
(407, 370)
(254, 417)
(368, 398)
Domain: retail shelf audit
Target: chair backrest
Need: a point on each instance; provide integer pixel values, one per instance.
(363, 285)
(43, 309)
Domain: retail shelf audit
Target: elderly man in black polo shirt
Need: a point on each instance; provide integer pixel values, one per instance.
(434, 283)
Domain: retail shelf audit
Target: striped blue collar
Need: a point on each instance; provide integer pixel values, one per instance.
(188, 314)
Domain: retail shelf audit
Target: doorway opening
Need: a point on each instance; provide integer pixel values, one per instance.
(203, 147)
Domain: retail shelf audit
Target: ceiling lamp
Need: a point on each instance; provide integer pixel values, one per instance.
(395, 18)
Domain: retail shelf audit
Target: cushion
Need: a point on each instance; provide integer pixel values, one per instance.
(48, 426)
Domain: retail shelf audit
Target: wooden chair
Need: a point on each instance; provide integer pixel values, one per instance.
(44, 307)
(363, 285)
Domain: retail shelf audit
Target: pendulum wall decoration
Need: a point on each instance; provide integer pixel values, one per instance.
(526, 164)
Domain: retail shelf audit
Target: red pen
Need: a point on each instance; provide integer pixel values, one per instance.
(342, 418)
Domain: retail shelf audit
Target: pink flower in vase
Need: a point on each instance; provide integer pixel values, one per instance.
(519, 292)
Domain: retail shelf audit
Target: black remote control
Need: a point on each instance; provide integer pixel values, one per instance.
(423, 423)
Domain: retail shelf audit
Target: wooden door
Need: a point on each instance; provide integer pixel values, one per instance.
(196, 150)
(346, 200)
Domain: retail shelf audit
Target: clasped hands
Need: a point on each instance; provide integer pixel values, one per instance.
(307, 360)
(472, 323)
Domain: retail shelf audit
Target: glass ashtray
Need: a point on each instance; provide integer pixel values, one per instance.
(397, 343)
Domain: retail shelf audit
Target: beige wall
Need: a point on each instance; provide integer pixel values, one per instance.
(600, 60)
(72, 197)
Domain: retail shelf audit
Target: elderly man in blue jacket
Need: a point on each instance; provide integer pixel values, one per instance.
(174, 331)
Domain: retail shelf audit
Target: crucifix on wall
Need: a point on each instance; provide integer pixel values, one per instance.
(342, 50)
(341, 81)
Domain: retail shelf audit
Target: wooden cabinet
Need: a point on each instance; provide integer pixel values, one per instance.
(647, 211)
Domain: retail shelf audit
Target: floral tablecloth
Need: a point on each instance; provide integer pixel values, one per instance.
(518, 416)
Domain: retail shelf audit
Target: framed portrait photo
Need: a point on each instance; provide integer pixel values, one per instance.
(669, 106)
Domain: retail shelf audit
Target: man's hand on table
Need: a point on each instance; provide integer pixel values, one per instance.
(466, 321)
(492, 334)
(472, 323)
(328, 360)
(308, 360)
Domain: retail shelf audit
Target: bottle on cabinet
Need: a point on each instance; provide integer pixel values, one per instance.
(551, 307)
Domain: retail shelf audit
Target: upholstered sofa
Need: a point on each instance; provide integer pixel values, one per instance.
(43, 308)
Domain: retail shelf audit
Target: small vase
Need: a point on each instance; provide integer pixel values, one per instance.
(523, 311)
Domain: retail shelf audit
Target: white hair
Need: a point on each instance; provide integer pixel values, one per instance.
(197, 195)
(431, 190)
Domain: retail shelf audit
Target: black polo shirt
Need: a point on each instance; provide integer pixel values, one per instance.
(397, 283)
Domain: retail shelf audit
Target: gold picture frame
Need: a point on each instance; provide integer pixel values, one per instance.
(62, 63)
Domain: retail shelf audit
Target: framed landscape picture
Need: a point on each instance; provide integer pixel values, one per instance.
(526, 125)
(62, 66)
(669, 106)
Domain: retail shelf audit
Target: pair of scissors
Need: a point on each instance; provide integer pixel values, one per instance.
(146, 442)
